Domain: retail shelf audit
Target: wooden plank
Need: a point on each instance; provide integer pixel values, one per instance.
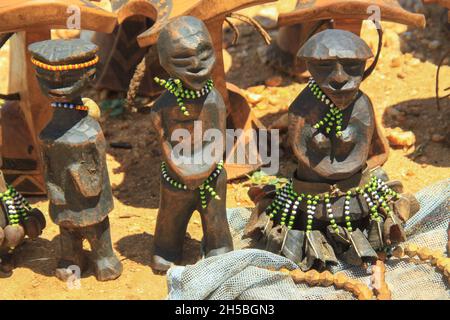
(19, 15)
(344, 9)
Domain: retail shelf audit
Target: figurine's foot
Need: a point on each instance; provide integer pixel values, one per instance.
(160, 265)
(108, 268)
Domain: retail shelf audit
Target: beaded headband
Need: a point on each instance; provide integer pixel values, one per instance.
(76, 66)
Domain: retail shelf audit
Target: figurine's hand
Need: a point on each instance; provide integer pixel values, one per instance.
(87, 179)
(321, 141)
(56, 194)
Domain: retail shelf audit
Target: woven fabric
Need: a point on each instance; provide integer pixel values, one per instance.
(243, 275)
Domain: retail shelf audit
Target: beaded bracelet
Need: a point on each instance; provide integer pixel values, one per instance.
(287, 202)
(69, 106)
(333, 118)
(66, 67)
(175, 87)
(202, 189)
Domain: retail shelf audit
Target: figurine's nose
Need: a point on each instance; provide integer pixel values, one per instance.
(339, 78)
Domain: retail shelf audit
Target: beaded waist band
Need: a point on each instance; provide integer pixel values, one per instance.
(205, 187)
(339, 188)
(286, 205)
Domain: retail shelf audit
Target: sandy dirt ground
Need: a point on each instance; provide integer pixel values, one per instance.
(402, 90)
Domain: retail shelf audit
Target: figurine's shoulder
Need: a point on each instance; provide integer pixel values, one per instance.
(165, 100)
(363, 105)
(87, 129)
(304, 104)
(214, 98)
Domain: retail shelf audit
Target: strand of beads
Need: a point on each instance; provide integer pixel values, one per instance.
(330, 214)
(171, 181)
(348, 222)
(20, 203)
(205, 187)
(70, 106)
(11, 210)
(310, 211)
(175, 87)
(333, 118)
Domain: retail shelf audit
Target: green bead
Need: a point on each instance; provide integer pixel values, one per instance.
(333, 221)
(347, 218)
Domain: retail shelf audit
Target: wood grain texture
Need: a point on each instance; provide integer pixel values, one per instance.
(343, 9)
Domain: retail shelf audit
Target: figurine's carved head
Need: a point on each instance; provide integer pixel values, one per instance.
(64, 67)
(336, 60)
(186, 51)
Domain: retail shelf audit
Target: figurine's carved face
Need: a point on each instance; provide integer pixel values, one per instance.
(64, 86)
(186, 52)
(339, 79)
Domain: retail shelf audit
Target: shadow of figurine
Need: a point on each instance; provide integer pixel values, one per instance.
(189, 181)
(339, 203)
(135, 247)
(74, 155)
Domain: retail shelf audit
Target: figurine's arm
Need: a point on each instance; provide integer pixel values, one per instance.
(352, 148)
(87, 180)
(215, 104)
(155, 117)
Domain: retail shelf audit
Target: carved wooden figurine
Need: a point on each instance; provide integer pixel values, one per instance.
(187, 54)
(334, 196)
(74, 154)
(312, 16)
(26, 111)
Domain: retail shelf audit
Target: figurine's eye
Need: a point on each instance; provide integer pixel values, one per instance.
(352, 67)
(324, 64)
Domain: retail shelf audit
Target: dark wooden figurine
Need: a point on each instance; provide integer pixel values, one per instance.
(74, 155)
(337, 205)
(312, 16)
(27, 111)
(187, 54)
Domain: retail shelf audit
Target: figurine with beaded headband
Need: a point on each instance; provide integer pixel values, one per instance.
(17, 220)
(336, 206)
(186, 52)
(74, 152)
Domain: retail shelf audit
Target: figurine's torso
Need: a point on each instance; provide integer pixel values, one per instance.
(206, 113)
(330, 158)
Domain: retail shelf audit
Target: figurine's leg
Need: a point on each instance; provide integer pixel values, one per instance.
(216, 231)
(6, 265)
(71, 253)
(107, 265)
(175, 210)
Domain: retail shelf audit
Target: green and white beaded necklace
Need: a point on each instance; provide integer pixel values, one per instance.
(175, 87)
(285, 207)
(205, 187)
(333, 118)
